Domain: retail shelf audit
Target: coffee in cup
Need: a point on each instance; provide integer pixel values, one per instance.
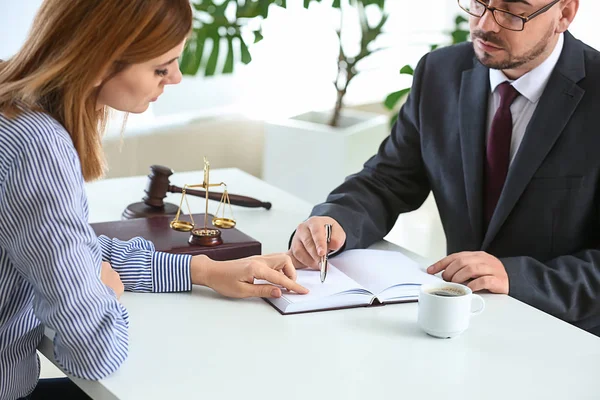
(448, 291)
(445, 308)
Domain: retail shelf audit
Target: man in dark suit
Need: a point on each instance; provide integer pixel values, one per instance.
(505, 131)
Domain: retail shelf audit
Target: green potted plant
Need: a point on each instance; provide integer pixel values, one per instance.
(229, 26)
(338, 139)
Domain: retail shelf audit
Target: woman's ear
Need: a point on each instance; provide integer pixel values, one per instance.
(101, 80)
(104, 76)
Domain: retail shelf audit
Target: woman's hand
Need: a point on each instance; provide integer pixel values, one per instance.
(235, 278)
(111, 278)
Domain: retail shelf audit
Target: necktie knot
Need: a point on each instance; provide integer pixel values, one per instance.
(508, 94)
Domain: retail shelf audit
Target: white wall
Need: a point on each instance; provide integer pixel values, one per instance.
(585, 26)
(15, 20)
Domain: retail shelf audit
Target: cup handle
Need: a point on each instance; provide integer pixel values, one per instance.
(481, 302)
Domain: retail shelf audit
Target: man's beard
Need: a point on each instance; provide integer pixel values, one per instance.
(512, 62)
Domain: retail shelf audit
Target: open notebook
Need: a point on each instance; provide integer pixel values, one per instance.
(357, 278)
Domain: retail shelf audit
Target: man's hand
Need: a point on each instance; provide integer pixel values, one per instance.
(235, 278)
(309, 243)
(111, 278)
(484, 271)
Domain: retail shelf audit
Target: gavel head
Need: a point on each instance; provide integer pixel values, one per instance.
(158, 186)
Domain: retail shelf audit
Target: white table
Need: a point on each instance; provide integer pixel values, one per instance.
(200, 345)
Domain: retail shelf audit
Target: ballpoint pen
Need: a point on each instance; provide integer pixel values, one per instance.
(324, 259)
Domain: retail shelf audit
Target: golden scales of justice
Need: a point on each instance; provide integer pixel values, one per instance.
(205, 236)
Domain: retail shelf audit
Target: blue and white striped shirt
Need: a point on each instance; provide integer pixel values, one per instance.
(50, 262)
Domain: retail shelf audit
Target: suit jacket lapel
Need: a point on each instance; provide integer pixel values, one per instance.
(473, 110)
(556, 106)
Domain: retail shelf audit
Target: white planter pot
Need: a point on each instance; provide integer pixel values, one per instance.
(308, 158)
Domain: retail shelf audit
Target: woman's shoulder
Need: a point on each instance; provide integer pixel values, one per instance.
(31, 129)
(31, 133)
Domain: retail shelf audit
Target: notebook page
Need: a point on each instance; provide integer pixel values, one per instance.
(338, 290)
(335, 283)
(378, 270)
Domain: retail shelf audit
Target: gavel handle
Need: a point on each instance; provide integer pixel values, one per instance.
(234, 199)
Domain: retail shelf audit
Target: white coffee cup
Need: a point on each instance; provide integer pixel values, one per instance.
(445, 308)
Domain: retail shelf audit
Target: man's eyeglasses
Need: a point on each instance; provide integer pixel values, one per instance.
(504, 18)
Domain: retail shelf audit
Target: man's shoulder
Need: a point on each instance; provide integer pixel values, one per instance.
(592, 56)
(591, 62)
(445, 66)
(457, 52)
(457, 57)
(572, 50)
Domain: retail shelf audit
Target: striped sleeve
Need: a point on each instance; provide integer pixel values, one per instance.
(48, 240)
(142, 269)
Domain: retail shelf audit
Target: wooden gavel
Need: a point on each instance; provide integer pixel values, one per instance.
(159, 185)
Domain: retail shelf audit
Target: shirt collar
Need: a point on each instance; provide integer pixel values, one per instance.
(532, 84)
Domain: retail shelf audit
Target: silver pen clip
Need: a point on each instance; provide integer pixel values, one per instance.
(324, 259)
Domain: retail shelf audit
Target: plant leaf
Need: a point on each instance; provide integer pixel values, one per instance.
(393, 120)
(187, 58)
(246, 57)
(228, 66)
(392, 99)
(460, 36)
(407, 70)
(211, 64)
(258, 36)
(460, 20)
(191, 59)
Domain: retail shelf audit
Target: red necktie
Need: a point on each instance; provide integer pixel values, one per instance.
(498, 149)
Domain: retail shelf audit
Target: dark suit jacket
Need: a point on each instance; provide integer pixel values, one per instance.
(546, 227)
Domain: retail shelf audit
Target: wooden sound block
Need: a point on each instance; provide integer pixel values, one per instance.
(236, 244)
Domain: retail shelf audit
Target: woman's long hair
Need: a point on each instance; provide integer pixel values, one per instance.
(74, 44)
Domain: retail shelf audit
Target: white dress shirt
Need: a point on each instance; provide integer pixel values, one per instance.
(530, 86)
